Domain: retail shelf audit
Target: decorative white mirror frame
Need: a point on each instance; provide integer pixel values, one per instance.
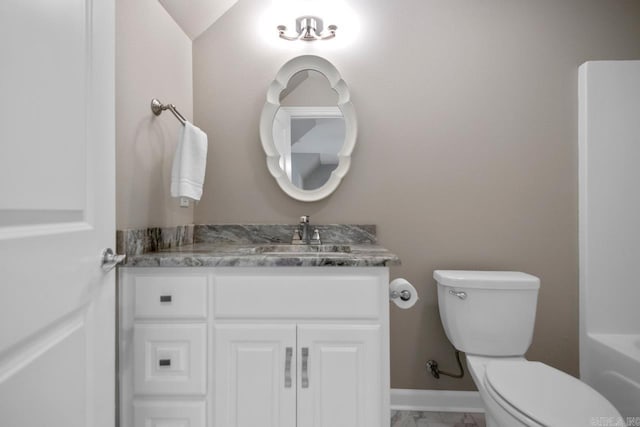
(295, 65)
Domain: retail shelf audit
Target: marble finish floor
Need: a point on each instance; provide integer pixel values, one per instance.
(436, 419)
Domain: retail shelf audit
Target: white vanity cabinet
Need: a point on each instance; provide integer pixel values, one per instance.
(163, 364)
(255, 346)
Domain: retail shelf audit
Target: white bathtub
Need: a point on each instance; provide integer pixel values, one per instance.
(611, 364)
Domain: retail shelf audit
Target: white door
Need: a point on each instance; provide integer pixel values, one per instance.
(255, 376)
(56, 213)
(340, 378)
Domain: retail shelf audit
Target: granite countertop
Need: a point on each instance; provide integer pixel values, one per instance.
(251, 255)
(255, 246)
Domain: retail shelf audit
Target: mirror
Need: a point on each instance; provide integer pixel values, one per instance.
(308, 128)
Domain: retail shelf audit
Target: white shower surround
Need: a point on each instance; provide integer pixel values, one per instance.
(609, 152)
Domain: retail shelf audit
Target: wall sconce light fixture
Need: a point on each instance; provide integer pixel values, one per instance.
(309, 28)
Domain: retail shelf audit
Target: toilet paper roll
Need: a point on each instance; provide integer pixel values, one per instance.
(395, 289)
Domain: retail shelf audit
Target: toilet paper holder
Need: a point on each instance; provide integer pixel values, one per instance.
(404, 295)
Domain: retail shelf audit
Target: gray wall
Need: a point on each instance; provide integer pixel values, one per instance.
(467, 149)
(153, 60)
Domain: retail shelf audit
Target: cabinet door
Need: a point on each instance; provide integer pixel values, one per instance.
(339, 377)
(255, 375)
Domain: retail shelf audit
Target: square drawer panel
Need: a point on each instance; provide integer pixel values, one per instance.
(169, 414)
(299, 295)
(170, 297)
(169, 359)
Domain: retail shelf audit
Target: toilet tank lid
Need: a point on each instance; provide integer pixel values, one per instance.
(486, 279)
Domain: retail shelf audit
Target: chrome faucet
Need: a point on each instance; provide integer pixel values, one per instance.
(302, 235)
(304, 229)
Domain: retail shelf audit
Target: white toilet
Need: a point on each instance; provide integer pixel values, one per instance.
(490, 315)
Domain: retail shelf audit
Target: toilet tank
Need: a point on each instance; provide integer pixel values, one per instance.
(488, 313)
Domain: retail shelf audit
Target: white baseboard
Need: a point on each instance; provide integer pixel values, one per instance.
(436, 400)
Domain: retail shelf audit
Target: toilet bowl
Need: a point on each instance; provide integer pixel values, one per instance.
(518, 392)
(490, 316)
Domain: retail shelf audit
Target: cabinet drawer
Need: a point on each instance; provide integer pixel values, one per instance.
(303, 296)
(169, 359)
(170, 297)
(174, 414)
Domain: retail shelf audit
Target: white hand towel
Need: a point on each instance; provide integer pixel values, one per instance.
(189, 163)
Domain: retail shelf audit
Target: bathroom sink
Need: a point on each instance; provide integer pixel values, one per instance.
(301, 249)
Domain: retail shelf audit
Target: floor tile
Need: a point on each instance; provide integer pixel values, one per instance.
(436, 419)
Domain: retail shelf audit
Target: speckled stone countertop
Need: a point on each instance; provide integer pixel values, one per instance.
(248, 255)
(261, 246)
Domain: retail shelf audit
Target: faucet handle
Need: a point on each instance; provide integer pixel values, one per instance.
(315, 239)
(297, 237)
(304, 219)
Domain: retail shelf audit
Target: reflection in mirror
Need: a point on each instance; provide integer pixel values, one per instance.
(308, 130)
(308, 88)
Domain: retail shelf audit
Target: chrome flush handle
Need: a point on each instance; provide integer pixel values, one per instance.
(459, 294)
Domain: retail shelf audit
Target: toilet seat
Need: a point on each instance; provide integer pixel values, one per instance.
(537, 394)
